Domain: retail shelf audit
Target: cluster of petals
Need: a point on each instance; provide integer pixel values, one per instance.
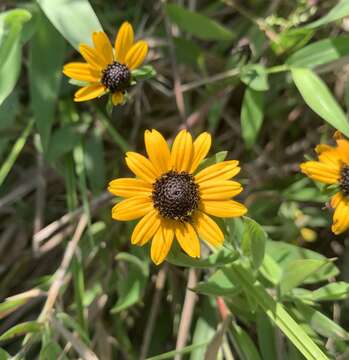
(328, 170)
(214, 184)
(102, 54)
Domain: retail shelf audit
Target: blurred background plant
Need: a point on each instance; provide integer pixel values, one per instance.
(269, 80)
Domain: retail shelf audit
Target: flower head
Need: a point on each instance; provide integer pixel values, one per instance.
(172, 199)
(332, 168)
(107, 69)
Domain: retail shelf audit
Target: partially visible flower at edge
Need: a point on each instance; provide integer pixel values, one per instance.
(107, 69)
(172, 199)
(333, 169)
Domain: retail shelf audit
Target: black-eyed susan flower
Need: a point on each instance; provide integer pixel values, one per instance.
(332, 168)
(172, 199)
(107, 69)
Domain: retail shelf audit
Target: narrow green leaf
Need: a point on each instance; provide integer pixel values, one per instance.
(47, 49)
(8, 306)
(199, 25)
(297, 271)
(332, 292)
(321, 323)
(244, 343)
(214, 159)
(320, 52)
(4, 355)
(21, 329)
(74, 19)
(251, 115)
(317, 96)
(266, 336)
(341, 10)
(277, 314)
(271, 270)
(11, 24)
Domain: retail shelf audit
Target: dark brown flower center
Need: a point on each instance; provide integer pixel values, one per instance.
(176, 195)
(344, 181)
(116, 77)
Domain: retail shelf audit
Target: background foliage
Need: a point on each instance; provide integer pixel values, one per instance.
(269, 80)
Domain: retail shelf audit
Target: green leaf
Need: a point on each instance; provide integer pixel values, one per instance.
(130, 287)
(244, 344)
(256, 238)
(218, 284)
(266, 336)
(330, 292)
(47, 49)
(255, 77)
(271, 270)
(187, 51)
(74, 19)
(317, 96)
(196, 24)
(222, 257)
(277, 314)
(4, 355)
(143, 73)
(320, 52)
(321, 323)
(251, 115)
(340, 11)
(284, 254)
(297, 271)
(292, 39)
(9, 71)
(21, 329)
(11, 24)
(8, 306)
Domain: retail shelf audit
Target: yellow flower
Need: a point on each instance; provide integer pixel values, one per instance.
(172, 199)
(107, 69)
(333, 169)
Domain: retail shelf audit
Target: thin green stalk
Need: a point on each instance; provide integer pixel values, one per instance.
(117, 138)
(277, 69)
(15, 151)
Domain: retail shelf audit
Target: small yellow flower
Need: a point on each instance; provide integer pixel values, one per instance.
(107, 69)
(172, 199)
(333, 169)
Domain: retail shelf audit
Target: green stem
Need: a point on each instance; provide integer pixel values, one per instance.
(15, 151)
(278, 68)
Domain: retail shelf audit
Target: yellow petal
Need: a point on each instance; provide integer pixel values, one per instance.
(158, 151)
(202, 145)
(328, 154)
(141, 166)
(208, 229)
(343, 149)
(81, 71)
(132, 208)
(89, 92)
(92, 57)
(103, 46)
(127, 187)
(224, 208)
(219, 190)
(123, 42)
(182, 151)
(336, 199)
(117, 98)
(161, 243)
(221, 171)
(188, 239)
(146, 228)
(136, 55)
(323, 172)
(341, 217)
